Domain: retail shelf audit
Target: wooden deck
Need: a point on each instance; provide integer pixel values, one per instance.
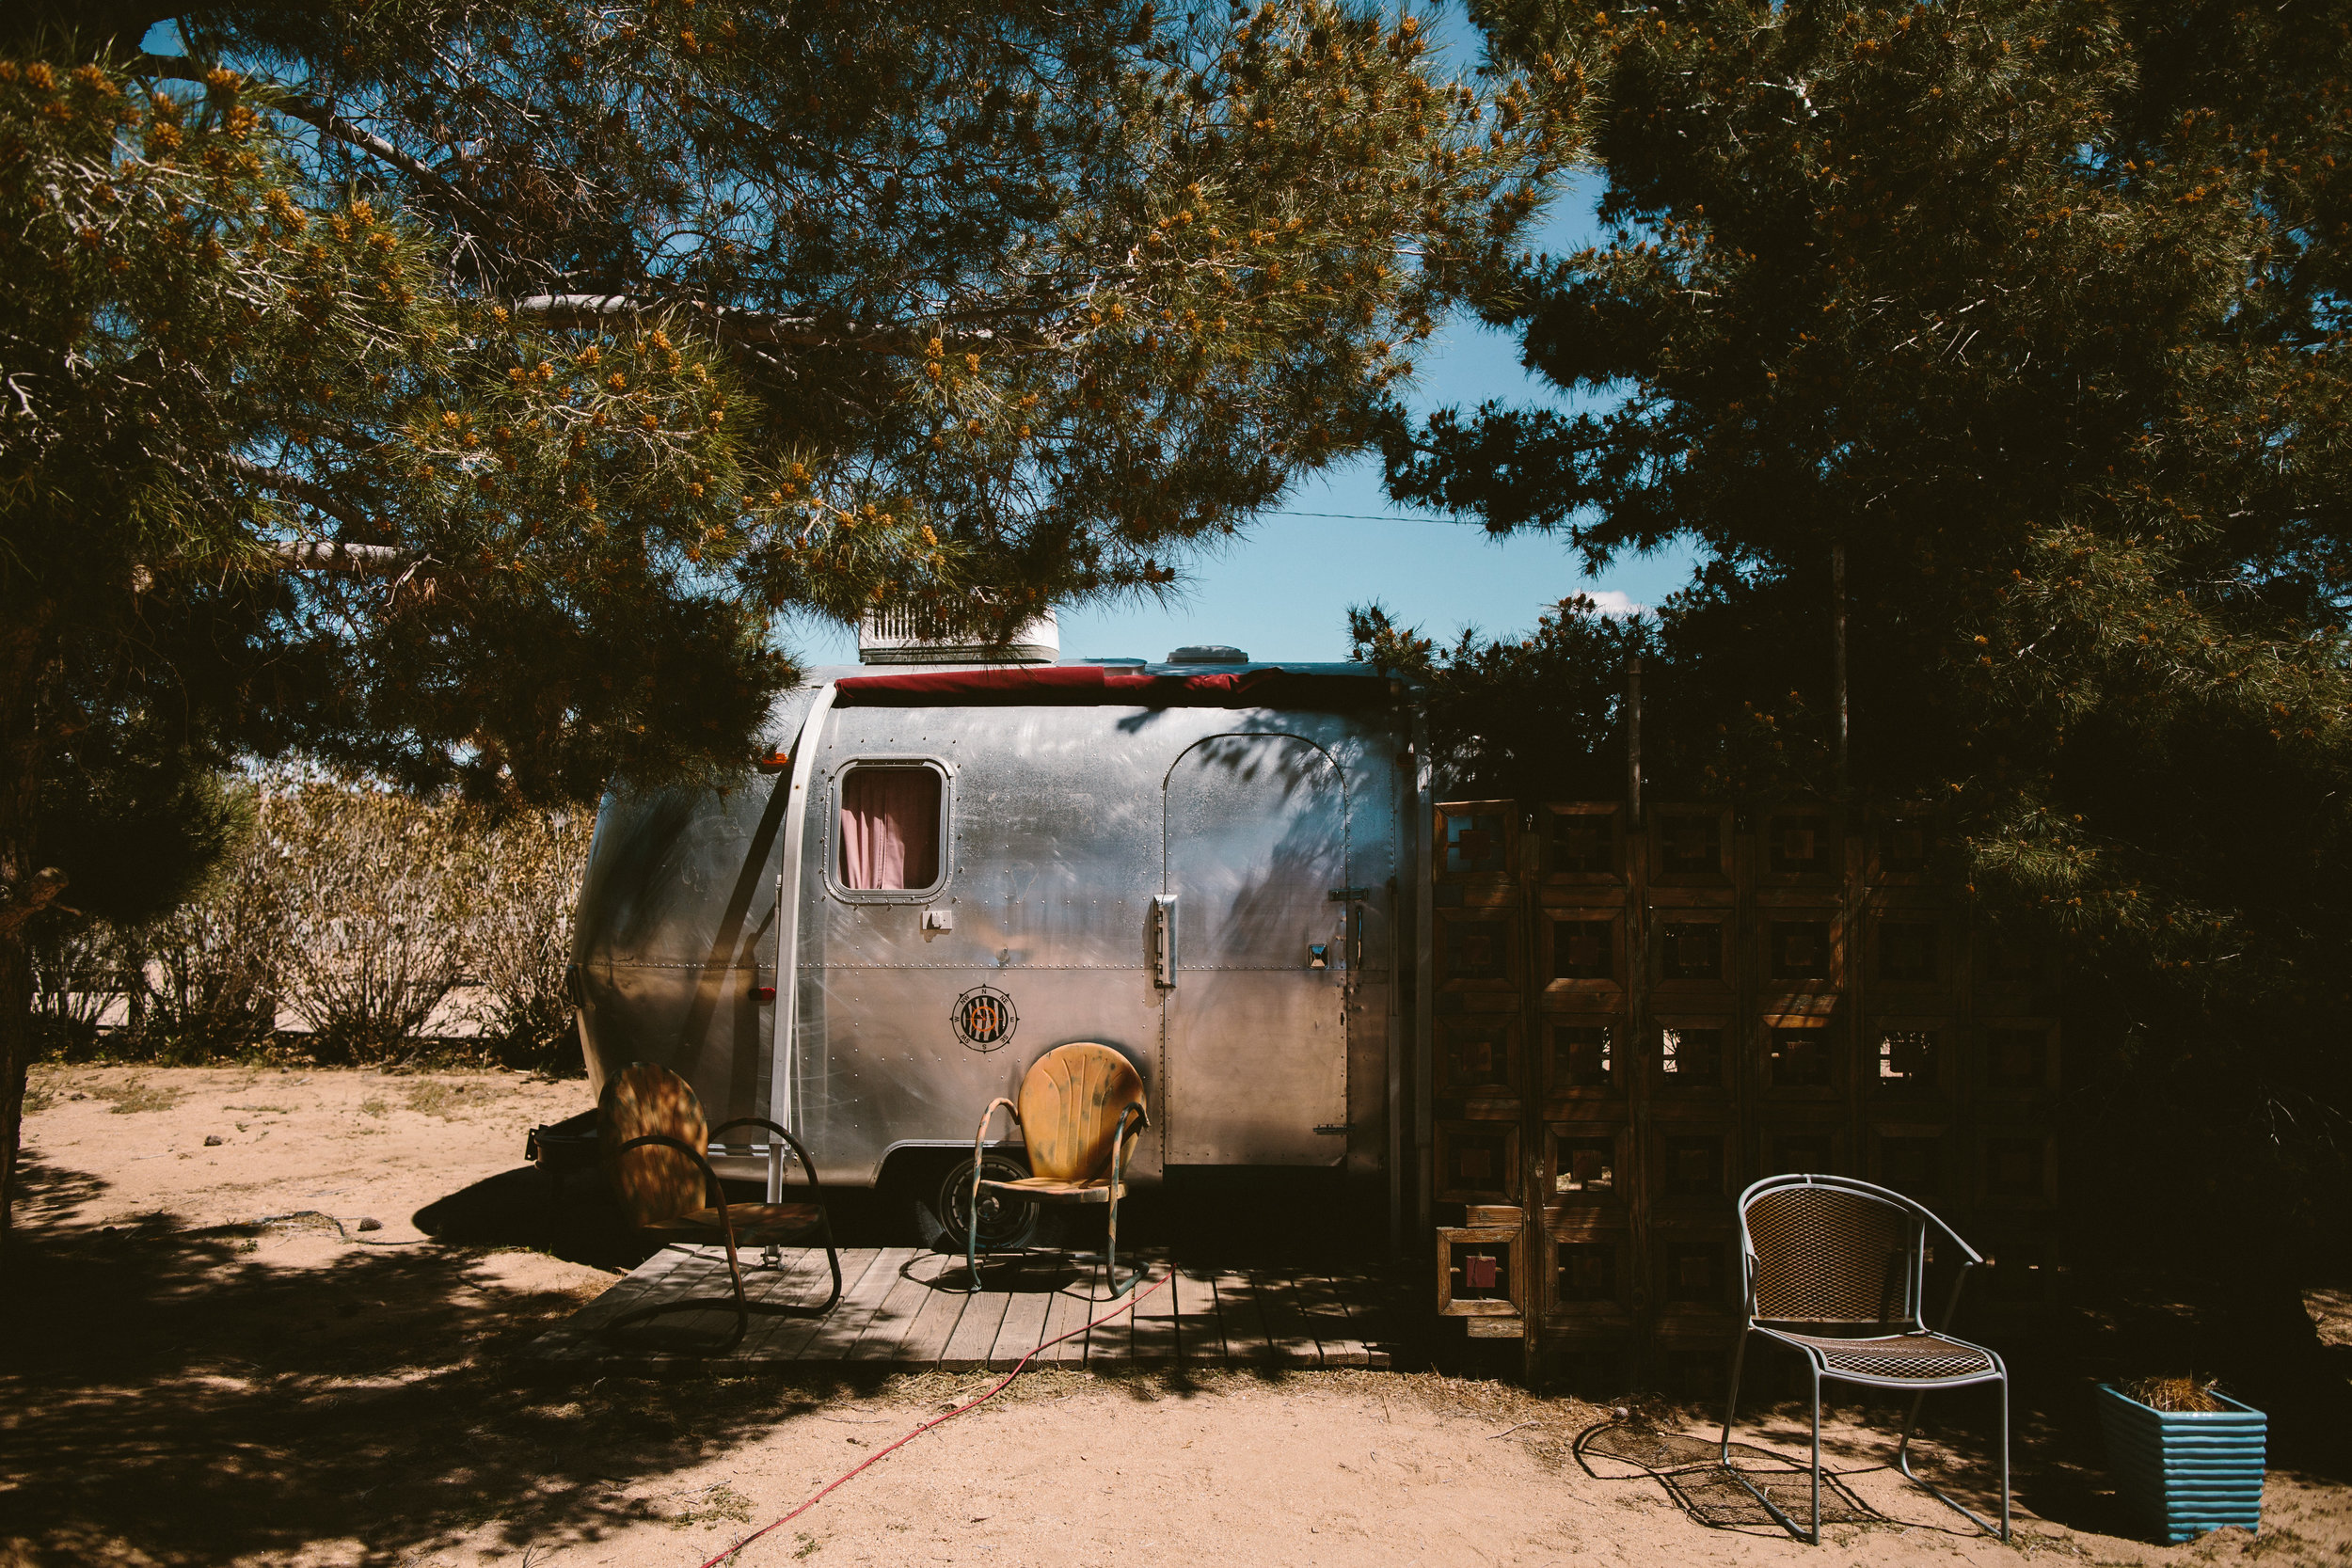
(906, 1309)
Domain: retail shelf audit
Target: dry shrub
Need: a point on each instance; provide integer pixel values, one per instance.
(365, 912)
(207, 977)
(525, 873)
(377, 906)
(79, 967)
(2175, 1394)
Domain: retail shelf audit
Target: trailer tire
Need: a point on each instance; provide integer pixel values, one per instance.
(938, 1198)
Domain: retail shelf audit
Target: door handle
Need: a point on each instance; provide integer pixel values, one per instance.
(1354, 898)
(1163, 941)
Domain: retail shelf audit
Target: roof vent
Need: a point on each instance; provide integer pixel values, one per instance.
(909, 637)
(1208, 653)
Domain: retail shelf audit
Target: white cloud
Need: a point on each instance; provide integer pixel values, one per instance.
(1607, 601)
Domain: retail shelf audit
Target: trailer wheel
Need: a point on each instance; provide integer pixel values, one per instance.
(942, 1209)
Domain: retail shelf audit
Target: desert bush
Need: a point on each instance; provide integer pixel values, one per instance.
(524, 873)
(391, 926)
(80, 966)
(378, 907)
(208, 976)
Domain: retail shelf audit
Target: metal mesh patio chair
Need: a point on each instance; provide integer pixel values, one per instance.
(1835, 1270)
(1073, 1114)
(652, 1140)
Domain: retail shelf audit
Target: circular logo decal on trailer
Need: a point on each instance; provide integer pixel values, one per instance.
(984, 1018)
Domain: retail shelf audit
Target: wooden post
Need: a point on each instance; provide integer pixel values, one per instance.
(1838, 652)
(1633, 740)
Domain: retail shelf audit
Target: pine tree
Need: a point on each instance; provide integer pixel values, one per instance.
(2037, 308)
(471, 394)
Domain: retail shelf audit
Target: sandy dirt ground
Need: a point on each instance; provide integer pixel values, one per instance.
(209, 1356)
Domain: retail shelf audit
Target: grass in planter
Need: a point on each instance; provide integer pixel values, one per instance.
(2175, 1394)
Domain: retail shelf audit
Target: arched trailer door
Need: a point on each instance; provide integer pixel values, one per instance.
(1254, 1024)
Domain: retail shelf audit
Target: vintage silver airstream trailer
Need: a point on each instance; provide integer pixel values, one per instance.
(948, 866)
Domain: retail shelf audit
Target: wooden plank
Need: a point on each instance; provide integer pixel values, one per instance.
(802, 1282)
(827, 1338)
(1320, 1305)
(878, 1341)
(1200, 1334)
(1069, 1312)
(699, 1274)
(1024, 1327)
(976, 1331)
(935, 1320)
(1157, 1335)
(718, 1321)
(792, 1339)
(1362, 1298)
(1242, 1321)
(1287, 1330)
(840, 1332)
(1112, 1339)
(633, 1288)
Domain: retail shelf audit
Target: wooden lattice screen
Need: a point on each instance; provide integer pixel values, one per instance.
(1629, 1025)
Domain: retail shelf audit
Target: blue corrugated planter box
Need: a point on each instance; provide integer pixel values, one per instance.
(2185, 1471)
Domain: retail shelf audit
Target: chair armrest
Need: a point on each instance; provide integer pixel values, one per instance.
(808, 1166)
(1969, 1256)
(1123, 1140)
(979, 1137)
(1951, 1302)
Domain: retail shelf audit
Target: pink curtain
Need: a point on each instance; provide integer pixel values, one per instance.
(889, 828)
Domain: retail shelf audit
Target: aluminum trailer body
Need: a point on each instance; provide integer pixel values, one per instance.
(1210, 869)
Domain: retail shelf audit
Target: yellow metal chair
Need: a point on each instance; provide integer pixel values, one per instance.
(652, 1139)
(1074, 1114)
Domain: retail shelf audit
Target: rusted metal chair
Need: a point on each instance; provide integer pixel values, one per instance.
(1074, 1113)
(1835, 1270)
(652, 1140)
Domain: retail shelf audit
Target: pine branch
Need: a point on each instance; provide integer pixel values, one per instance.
(321, 118)
(334, 554)
(324, 555)
(753, 326)
(39, 891)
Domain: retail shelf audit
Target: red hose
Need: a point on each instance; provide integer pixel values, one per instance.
(998, 1388)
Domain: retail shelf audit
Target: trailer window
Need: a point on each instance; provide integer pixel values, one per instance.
(890, 822)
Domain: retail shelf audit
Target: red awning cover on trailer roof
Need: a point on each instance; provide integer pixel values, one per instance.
(1083, 684)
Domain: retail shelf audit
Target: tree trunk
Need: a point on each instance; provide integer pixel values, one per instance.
(24, 656)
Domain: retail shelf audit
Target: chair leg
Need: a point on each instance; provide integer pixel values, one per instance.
(833, 1256)
(1817, 1456)
(972, 1239)
(734, 1273)
(1731, 1399)
(1911, 1425)
(1731, 1402)
(1902, 1462)
(1110, 1257)
(2004, 1385)
(1110, 1245)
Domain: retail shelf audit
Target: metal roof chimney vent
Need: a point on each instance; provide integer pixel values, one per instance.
(1208, 653)
(906, 637)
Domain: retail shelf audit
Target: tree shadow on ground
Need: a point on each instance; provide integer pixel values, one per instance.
(181, 1396)
(185, 1396)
